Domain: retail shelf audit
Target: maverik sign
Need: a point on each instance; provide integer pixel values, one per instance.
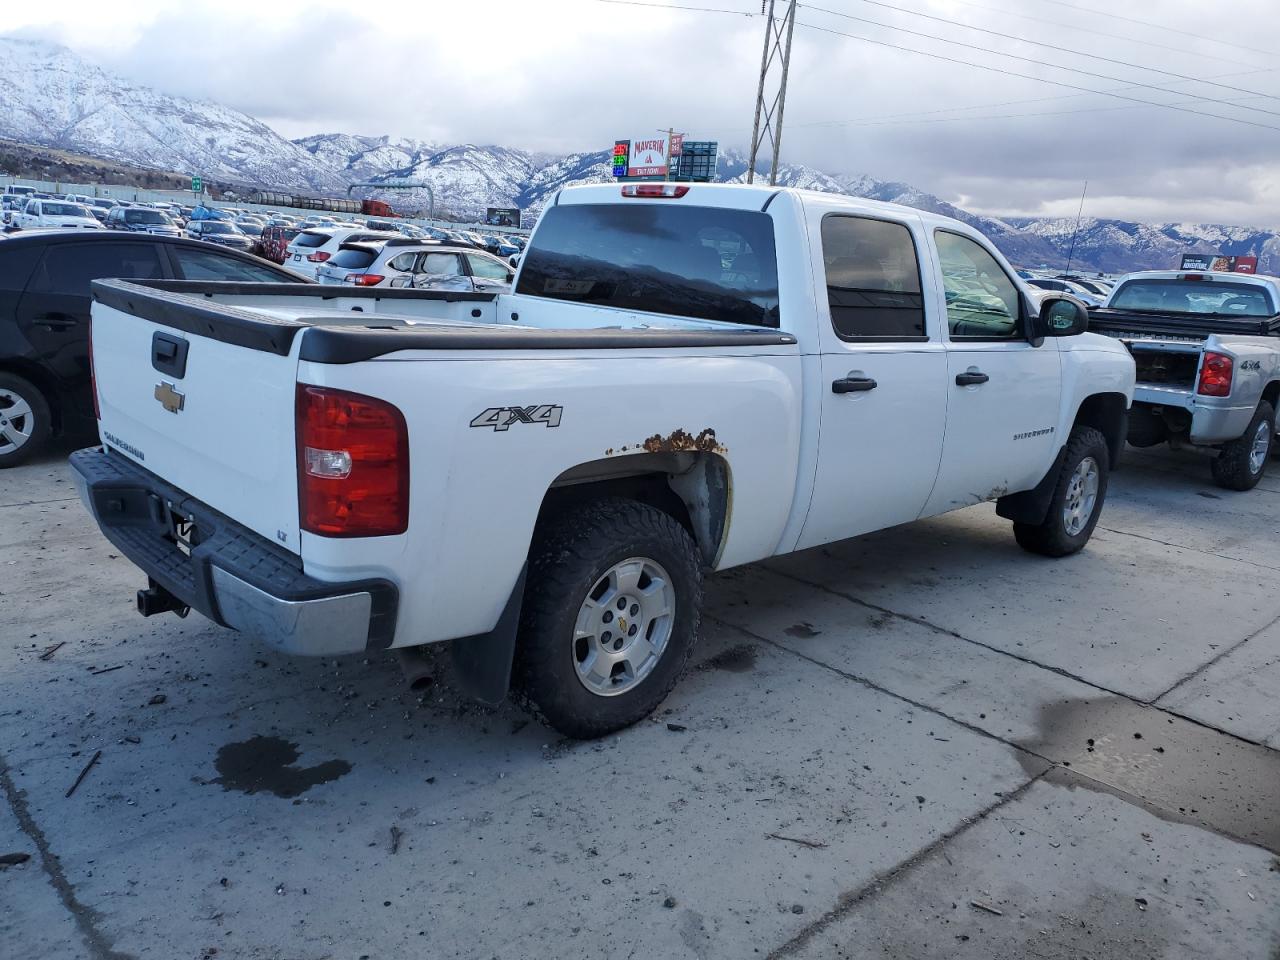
(647, 157)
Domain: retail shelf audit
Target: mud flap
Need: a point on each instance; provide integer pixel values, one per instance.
(482, 663)
(1032, 506)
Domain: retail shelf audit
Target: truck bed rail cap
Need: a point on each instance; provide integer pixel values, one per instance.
(331, 344)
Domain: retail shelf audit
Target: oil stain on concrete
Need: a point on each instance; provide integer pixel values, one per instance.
(266, 765)
(1178, 770)
(736, 659)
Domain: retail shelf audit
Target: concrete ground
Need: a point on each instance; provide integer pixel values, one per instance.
(921, 743)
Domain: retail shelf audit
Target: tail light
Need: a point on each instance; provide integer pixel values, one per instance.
(93, 377)
(353, 464)
(1215, 375)
(364, 279)
(318, 257)
(668, 190)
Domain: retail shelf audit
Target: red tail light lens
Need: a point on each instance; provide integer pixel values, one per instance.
(318, 257)
(1215, 375)
(93, 377)
(353, 464)
(667, 190)
(364, 279)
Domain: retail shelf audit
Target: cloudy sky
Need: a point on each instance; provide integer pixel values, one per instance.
(559, 75)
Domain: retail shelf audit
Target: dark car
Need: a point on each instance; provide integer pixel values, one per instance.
(220, 232)
(44, 319)
(140, 220)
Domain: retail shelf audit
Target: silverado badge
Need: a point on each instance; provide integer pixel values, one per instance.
(169, 398)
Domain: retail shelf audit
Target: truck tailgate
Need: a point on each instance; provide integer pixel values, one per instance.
(220, 428)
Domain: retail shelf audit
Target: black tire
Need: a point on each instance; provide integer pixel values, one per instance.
(37, 425)
(571, 553)
(1145, 428)
(1232, 468)
(1051, 537)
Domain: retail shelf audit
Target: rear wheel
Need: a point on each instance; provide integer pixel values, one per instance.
(1243, 461)
(26, 423)
(1077, 499)
(610, 616)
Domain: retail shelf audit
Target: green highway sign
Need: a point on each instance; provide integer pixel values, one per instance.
(197, 185)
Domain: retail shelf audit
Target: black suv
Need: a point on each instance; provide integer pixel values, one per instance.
(141, 220)
(44, 319)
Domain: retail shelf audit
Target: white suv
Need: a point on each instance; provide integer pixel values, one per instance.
(43, 214)
(316, 245)
(423, 264)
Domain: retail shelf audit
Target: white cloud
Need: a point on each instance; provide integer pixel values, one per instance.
(574, 74)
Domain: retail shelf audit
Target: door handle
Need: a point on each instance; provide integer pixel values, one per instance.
(970, 378)
(55, 320)
(853, 385)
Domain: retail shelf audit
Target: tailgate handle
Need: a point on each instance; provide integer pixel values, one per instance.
(169, 354)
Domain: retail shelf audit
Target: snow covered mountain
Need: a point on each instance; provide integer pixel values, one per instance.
(55, 98)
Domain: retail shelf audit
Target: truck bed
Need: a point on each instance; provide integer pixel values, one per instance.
(348, 326)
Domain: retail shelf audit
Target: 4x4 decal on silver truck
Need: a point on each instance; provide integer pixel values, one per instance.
(501, 418)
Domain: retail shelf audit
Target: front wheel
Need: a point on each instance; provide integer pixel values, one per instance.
(1243, 461)
(1077, 498)
(610, 615)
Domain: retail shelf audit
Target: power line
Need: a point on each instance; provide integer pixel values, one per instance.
(1094, 32)
(1040, 43)
(871, 122)
(1031, 60)
(1015, 103)
(1157, 26)
(1028, 76)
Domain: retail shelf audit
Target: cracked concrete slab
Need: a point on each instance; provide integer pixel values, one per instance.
(1062, 873)
(33, 921)
(1239, 692)
(1126, 615)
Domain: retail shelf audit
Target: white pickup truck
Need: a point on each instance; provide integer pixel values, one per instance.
(684, 378)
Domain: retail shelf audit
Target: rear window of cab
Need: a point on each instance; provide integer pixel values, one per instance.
(689, 261)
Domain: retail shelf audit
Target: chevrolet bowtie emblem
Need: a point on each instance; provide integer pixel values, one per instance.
(169, 398)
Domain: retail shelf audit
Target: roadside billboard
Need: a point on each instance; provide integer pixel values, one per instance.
(1222, 264)
(502, 216)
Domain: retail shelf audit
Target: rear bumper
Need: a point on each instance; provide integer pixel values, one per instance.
(231, 575)
(1213, 420)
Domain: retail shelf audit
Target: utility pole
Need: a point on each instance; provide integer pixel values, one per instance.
(769, 111)
(1076, 232)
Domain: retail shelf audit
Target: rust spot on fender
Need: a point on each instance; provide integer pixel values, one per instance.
(681, 441)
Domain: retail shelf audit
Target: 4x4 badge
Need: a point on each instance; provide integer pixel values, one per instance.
(169, 398)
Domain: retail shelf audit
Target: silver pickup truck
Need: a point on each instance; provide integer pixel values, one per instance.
(1207, 351)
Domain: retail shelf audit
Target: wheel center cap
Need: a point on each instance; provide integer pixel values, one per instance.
(622, 623)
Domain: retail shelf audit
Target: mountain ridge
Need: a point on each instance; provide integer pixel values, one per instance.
(66, 102)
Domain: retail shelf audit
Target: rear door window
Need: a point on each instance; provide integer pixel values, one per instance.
(68, 268)
(440, 265)
(873, 279)
(212, 265)
(659, 257)
(16, 264)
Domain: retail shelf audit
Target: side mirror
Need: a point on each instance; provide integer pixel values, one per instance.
(1062, 317)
